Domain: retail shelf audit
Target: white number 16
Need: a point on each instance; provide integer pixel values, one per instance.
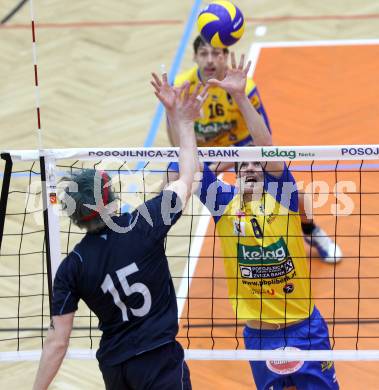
(140, 288)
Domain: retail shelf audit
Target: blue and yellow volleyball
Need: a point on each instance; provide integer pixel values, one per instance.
(221, 24)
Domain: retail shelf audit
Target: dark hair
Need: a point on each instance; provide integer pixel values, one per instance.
(237, 166)
(86, 180)
(199, 41)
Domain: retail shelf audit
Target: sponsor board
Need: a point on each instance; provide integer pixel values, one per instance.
(360, 151)
(284, 367)
(289, 154)
(272, 153)
(148, 153)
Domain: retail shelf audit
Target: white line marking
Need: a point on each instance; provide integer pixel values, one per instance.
(191, 262)
(205, 354)
(255, 51)
(332, 42)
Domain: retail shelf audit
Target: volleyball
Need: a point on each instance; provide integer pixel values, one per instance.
(221, 24)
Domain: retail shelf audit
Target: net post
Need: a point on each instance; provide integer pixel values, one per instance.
(51, 220)
(5, 191)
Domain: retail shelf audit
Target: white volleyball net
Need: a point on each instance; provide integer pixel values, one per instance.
(342, 183)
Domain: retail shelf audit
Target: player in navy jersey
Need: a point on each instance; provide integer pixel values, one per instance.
(120, 270)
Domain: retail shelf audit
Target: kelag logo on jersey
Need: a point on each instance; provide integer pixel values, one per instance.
(268, 262)
(213, 129)
(272, 254)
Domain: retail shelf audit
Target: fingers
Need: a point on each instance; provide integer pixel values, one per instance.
(195, 93)
(246, 70)
(156, 79)
(158, 95)
(202, 96)
(214, 83)
(204, 91)
(154, 84)
(186, 91)
(179, 90)
(242, 61)
(233, 60)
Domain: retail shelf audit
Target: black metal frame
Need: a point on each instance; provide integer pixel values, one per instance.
(46, 228)
(5, 191)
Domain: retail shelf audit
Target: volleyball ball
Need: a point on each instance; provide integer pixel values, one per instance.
(221, 24)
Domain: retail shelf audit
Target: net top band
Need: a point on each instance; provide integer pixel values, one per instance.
(271, 153)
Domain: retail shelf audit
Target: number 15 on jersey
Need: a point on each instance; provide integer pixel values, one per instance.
(129, 289)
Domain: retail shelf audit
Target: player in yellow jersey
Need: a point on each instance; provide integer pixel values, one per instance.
(259, 227)
(222, 124)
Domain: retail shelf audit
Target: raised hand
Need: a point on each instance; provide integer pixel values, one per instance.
(235, 78)
(164, 91)
(179, 103)
(188, 104)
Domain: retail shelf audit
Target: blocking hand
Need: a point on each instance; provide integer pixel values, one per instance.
(179, 103)
(235, 78)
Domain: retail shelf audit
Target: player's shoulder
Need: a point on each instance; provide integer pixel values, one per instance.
(189, 75)
(250, 86)
(72, 264)
(88, 248)
(75, 257)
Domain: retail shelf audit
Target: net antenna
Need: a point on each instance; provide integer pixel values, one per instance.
(48, 180)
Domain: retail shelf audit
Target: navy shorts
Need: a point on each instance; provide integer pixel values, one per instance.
(310, 334)
(162, 368)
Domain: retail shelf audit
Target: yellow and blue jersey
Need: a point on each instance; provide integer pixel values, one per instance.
(262, 242)
(222, 123)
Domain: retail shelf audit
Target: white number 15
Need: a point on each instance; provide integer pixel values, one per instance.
(140, 288)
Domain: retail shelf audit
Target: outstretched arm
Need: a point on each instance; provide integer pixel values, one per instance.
(182, 108)
(172, 136)
(54, 350)
(234, 83)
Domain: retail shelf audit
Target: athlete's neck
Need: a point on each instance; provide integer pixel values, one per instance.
(250, 197)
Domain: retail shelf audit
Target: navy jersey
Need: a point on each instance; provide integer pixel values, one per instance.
(123, 276)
